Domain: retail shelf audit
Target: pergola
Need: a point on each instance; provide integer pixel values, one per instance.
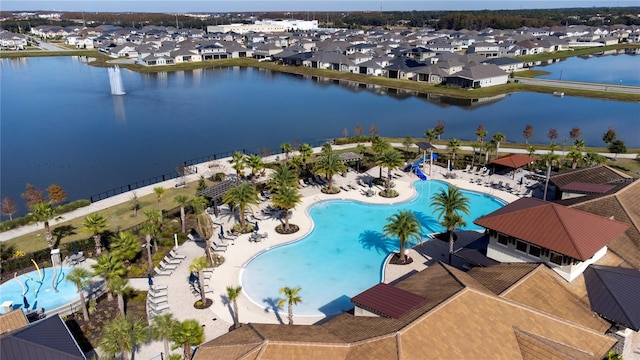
(425, 146)
(216, 192)
(348, 157)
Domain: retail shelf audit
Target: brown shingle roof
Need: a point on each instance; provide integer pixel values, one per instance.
(535, 347)
(542, 290)
(587, 188)
(596, 175)
(387, 300)
(499, 278)
(12, 320)
(568, 231)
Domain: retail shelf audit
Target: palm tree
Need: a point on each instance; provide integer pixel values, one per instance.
(125, 245)
(255, 164)
(498, 138)
(123, 335)
(579, 144)
(474, 148)
(119, 286)
(282, 176)
(238, 160)
(187, 333)
(232, 293)
(451, 221)
(197, 265)
(329, 164)
(148, 229)
(287, 198)
(95, 224)
(489, 146)
(292, 298)
(392, 160)
(183, 201)
(430, 135)
(161, 329)
(379, 146)
(43, 212)
(404, 225)
(159, 191)
(454, 147)
(574, 156)
(109, 267)
(550, 159)
(81, 277)
(407, 142)
(241, 196)
(203, 224)
(481, 133)
(153, 225)
(305, 152)
(286, 149)
(447, 203)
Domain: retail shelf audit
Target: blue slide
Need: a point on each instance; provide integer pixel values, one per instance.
(416, 169)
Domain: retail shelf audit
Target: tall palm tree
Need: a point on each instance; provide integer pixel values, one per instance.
(197, 266)
(286, 149)
(125, 245)
(407, 142)
(109, 267)
(404, 225)
(148, 229)
(282, 176)
(489, 146)
(392, 160)
(232, 293)
(81, 277)
(454, 147)
(44, 212)
(447, 203)
(430, 135)
(204, 224)
(255, 163)
(305, 152)
(123, 335)
(153, 225)
(183, 201)
(161, 329)
(159, 191)
(498, 138)
(579, 144)
(95, 224)
(240, 197)
(474, 147)
(238, 160)
(329, 164)
(451, 221)
(574, 156)
(481, 133)
(291, 297)
(119, 286)
(379, 146)
(550, 160)
(286, 198)
(187, 333)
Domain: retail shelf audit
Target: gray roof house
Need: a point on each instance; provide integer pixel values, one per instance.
(478, 76)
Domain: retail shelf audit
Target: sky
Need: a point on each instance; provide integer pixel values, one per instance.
(297, 5)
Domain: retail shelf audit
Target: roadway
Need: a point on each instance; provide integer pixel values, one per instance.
(580, 85)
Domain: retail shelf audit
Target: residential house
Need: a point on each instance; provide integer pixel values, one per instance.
(486, 49)
(507, 64)
(403, 68)
(185, 55)
(533, 230)
(482, 75)
(11, 41)
(262, 51)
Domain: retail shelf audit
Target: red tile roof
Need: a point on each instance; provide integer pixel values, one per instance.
(387, 300)
(568, 231)
(588, 188)
(513, 160)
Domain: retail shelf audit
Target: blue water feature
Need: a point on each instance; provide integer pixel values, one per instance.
(416, 169)
(39, 294)
(345, 253)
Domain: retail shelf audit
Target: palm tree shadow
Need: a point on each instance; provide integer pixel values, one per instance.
(225, 301)
(375, 240)
(273, 305)
(61, 232)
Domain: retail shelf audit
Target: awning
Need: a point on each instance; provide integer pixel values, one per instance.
(513, 161)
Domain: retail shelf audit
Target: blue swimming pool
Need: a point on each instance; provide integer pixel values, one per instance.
(344, 254)
(38, 292)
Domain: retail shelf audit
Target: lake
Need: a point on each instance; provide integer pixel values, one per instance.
(60, 124)
(619, 69)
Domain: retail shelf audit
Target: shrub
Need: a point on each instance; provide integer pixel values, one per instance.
(219, 176)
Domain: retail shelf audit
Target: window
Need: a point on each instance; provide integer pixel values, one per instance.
(534, 251)
(521, 246)
(556, 258)
(502, 239)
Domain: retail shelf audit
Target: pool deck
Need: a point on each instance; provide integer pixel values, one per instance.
(218, 318)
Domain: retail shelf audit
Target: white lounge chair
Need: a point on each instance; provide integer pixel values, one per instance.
(158, 308)
(171, 261)
(163, 265)
(161, 272)
(156, 301)
(467, 168)
(158, 287)
(157, 294)
(175, 255)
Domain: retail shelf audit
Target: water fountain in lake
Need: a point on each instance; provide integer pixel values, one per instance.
(115, 80)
